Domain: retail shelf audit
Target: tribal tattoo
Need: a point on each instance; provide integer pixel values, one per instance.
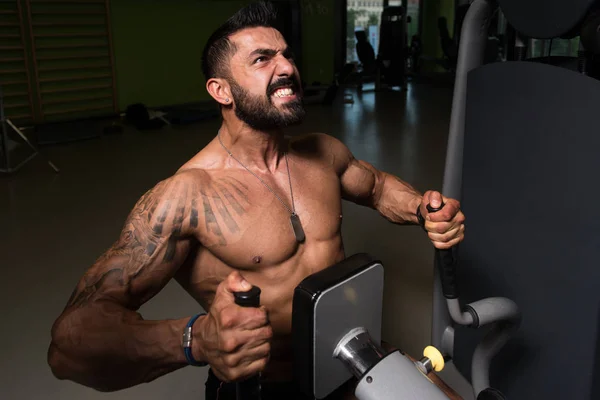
(156, 238)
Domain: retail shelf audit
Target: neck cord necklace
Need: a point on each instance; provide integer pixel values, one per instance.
(294, 219)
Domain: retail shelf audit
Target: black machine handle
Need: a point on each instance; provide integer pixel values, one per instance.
(251, 298)
(250, 388)
(447, 261)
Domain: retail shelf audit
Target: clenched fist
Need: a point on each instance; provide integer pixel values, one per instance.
(446, 227)
(235, 340)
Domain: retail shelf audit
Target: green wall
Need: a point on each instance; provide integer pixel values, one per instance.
(158, 46)
(318, 33)
(432, 10)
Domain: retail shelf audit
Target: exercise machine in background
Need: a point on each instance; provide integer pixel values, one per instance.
(385, 66)
(10, 149)
(522, 155)
(336, 325)
(523, 159)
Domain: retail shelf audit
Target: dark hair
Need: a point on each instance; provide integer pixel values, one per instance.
(215, 61)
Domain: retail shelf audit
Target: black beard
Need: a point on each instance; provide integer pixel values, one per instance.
(259, 113)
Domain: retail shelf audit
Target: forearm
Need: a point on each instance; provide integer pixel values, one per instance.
(108, 347)
(397, 200)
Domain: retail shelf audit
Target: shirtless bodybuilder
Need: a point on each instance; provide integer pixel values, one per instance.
(222, 223)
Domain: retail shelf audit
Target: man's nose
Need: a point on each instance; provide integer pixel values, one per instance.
(285, 66)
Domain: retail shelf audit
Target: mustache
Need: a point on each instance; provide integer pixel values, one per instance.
(283, 82)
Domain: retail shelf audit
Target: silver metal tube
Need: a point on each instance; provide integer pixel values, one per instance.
(396, 377)
(486, 350)
(473, 40)
(4, 145)
(495, 309)
(459, 316)
(358, 351)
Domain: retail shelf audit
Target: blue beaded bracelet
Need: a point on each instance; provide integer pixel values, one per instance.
(187, 342)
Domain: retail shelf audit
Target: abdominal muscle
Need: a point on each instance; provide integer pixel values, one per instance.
(204, 272)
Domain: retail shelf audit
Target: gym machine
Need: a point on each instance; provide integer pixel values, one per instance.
(7, 126)
(336, 324)
(517, 128)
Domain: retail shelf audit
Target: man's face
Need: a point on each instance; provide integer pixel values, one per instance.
(265, 83)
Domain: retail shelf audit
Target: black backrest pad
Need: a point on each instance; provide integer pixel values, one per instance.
(531, 196)
(544, 19)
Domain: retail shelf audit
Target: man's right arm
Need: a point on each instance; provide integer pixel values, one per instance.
(100, 340)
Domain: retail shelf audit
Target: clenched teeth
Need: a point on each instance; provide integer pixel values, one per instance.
(283, 92)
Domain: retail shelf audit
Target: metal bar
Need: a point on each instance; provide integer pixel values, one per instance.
(112, 56)
(67, 90)
(20, 116)
(73, 110)
(473, 39)
(67, 12)
(74, 78)
(39, 115)
(17, 105)
(70, 46)
(68, 23)
(18, 166)
(35, 150)
(73, 68)
(8, 24)
(15, 94)
(12, 71)
(12, 59)
(73, 35)
(77, 99)
(7, 12)
(71, 57)
(68, 1)
(13, 82)
(4, 133)
(11, 48)
(8, 35)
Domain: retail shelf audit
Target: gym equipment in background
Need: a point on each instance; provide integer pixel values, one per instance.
(6, 151)
(393, 45)
(369, 69)
(336, 325)
(523, 159)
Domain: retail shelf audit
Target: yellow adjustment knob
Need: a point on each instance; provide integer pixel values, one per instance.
(437, 360)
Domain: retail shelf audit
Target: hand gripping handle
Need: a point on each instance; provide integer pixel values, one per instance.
(447, 262)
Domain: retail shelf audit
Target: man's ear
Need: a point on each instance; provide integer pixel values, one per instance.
(220, 91)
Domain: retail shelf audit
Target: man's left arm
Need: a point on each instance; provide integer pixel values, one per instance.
(397, 201)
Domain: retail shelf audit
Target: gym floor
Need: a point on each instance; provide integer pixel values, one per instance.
(55, 226)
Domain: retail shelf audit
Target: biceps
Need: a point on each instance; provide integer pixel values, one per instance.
(360, 182)
(130, 274)
(154, 242)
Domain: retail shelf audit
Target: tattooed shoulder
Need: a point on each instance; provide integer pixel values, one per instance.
(224, 203)
(153, 242)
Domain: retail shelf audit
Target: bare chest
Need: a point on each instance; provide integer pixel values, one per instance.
(249, 224)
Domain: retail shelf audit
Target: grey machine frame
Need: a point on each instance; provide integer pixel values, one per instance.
(501, 313)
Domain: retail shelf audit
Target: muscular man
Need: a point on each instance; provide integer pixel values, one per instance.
(224, 222)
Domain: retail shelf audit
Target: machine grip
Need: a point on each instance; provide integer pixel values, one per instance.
(251, 298)
(250, 388)
(446, 260)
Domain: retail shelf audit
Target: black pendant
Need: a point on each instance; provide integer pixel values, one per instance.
(297, 227)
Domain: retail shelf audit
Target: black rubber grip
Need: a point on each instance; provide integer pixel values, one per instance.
(251, 298)
(250, 388)
(491, 394)
(446, 261)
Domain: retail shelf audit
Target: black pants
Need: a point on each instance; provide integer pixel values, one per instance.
(217, 390)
